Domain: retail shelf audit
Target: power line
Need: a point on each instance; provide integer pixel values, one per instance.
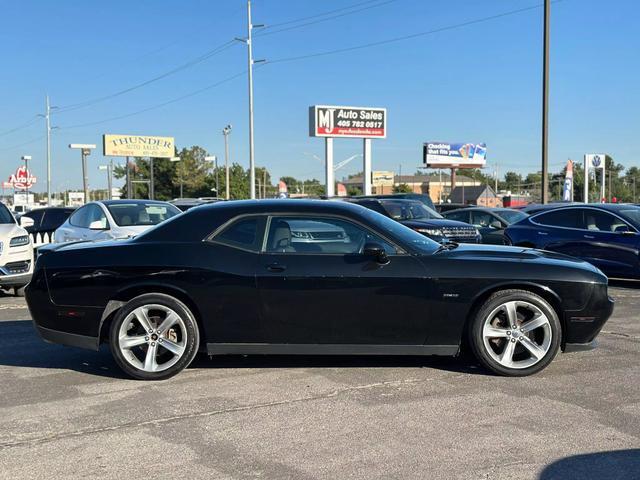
(28, 142)
(179, 68)
(272, 32)
(168, 102)
(302, 19)
(407, 37)
(20, 127)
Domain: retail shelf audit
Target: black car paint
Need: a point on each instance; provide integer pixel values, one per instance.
(415, 304)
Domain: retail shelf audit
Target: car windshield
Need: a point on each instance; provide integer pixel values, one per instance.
(134, 214)
(512, 216)
(407, 237)
(632, 215)
(408, 210)
(5, 215)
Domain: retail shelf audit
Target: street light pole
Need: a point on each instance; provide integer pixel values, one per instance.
(225, 132)
(85, 150)
(545, 105)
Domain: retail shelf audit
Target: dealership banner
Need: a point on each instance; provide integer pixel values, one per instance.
(349, 122)
(567, 189)
(138, 146)
(446, 155)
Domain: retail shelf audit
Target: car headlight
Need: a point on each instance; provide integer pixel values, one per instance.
(19, 241)
(436, 232)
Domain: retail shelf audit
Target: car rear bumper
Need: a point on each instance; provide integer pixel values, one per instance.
(580, 347)
(66, 338)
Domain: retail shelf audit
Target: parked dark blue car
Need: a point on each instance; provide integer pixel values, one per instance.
(606, 235)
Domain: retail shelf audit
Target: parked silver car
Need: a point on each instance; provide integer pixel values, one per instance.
(113, 219)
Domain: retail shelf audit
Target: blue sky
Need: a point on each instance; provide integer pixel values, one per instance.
(480, 82)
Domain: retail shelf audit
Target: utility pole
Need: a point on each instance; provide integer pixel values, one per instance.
(496, 178)
(48, 122)
(225, 132)
(264, 183)
(250, 61)
(545, 104)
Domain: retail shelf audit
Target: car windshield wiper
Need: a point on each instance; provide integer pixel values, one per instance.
(448, 246)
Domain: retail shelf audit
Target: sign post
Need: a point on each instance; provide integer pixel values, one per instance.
(347, 122)
(594, 161)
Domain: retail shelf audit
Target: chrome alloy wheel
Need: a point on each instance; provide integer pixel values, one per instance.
(152, 338)
(517, 334)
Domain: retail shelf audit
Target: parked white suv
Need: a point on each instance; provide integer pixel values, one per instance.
(16, 252)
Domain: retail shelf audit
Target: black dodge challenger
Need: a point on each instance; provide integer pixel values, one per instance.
(311, 277)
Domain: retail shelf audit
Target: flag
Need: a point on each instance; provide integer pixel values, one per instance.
(567, 192)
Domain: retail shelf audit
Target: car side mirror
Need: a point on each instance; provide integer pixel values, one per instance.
(497, 224)
(376, 251)
(97, 225)
(26, 222)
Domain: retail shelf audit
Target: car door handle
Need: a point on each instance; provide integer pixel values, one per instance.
(543, 233)
(276, 267)
(590, 237)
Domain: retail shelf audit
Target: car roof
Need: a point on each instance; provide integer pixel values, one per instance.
(128, 201)
(282, 205)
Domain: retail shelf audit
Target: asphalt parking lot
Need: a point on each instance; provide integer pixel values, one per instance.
(70, 413)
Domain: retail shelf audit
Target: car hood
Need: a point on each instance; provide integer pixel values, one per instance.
(517, 255)
(435, 223)
(8, 230)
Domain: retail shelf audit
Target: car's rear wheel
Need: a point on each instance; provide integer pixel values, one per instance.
(153, 337)
(515, 333)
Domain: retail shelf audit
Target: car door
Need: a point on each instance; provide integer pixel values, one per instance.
(490, 227)
(559, 230)
(317, 287)
(609, 243)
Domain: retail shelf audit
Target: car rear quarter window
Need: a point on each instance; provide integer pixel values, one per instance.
(244, 233)
(569, 218)
(53, 219)
(80, 217)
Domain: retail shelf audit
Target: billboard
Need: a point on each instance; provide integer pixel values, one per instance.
(138, 146)
(382, 179)
(446, 155)
(347, 122)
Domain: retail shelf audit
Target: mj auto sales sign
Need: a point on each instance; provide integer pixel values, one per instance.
(349, 122)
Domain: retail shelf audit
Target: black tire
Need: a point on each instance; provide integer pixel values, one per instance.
(18, 291)
(191, 334)
(476, 339)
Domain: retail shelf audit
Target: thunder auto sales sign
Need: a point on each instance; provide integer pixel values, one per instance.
(350, 122)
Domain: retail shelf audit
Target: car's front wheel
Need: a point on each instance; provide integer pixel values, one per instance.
(153, 337)
(515, 333)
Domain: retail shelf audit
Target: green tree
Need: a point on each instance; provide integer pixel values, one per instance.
(402, 188)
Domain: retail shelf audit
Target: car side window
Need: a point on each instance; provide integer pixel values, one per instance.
(481, 219)
(80, 217)
(596, 220)
(36, 217)
(569, 218)
(459, 216)
(53, 219)
(320, 235)
(244, 233)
